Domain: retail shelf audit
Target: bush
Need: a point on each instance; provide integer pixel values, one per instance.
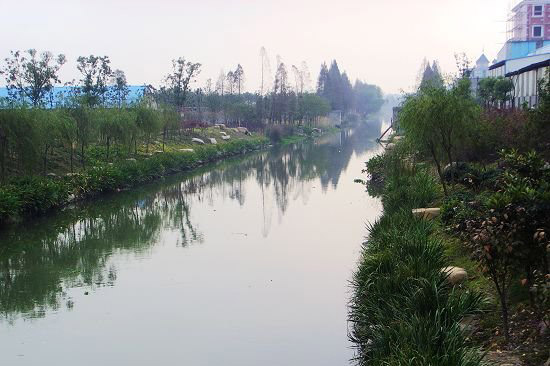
(276, 133)
(403, 311)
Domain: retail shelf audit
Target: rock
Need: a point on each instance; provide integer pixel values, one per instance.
(226, 137)
(186, 150)
(71, 174)
(110, 164)
(159, 152)
(456, 275)
(397, 138)
(219, 125)
(390, 146)
(223, 132)
(318, 130)
(243, 130)
(213, 141)
(71, 197)
(131, 159)
(197, 141)
(426, 213)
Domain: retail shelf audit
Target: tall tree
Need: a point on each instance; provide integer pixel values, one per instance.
(96, 72)
(31, 76)
(178, 81)
(238, 76)
(323, 80)
(266, 72)
(119, 88)
(230, 82)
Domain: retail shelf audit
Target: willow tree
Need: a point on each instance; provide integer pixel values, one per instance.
(437, 120)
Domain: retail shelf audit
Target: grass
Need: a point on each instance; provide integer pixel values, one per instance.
(403, 310)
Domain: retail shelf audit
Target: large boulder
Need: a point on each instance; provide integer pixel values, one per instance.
(426, 213)
(213, 141)
(455, 275)
(197, 141)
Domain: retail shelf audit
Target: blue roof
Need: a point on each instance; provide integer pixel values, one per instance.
(59, 93)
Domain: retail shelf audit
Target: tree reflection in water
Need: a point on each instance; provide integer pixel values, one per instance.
(40, 261)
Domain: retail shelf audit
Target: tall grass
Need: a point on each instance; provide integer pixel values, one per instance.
(403, 311)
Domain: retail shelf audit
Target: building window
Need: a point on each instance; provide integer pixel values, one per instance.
(537, 10)
(537, 31)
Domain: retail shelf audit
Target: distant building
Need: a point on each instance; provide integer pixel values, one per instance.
(528, 29)
(480, 71)
(526, 83)
(525, 56)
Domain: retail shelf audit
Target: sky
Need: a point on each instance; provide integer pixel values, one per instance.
(379, 42)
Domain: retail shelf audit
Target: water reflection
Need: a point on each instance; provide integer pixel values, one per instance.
(40, 262)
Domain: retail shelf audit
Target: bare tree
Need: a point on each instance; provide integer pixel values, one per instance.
(266, 71)
(230, 78)
(306, 77)
(238, 76)
(220, 84)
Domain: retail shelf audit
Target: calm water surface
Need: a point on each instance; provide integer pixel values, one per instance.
(243, 263)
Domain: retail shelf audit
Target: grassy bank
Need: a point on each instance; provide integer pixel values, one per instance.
(404, 311)
(493, 224)
(24, 197)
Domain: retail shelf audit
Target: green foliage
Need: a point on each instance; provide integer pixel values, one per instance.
(495, 92)
(437, 121)
(30, 76)
(506, 226)
(403, 311)
(35, 195)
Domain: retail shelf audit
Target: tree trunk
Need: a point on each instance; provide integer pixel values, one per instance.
(3, 149)
(108, 146)
(82, 158)
(72, 153)
(439, 172)
(45, 160)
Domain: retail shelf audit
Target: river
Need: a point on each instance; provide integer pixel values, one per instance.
(246, 262)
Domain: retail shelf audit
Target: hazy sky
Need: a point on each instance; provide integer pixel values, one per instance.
(381, 42)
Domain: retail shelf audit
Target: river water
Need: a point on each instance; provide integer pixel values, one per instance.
(246, 262)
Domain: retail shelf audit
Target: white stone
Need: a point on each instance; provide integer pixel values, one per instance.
(198, 141)
(226, 137)
(426, 213)
(131, 159)
(213, 141)
(456, 275)
(390, 146)
(186, 150)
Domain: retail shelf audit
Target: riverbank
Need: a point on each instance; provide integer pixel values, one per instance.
(30, 196)
(27, 197)
(407, 307)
